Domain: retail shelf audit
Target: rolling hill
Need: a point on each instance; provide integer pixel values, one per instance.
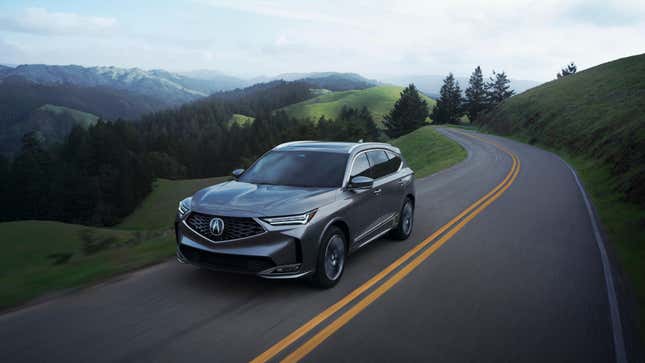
(333, 81)
(379, 100)
(596, 113)
(53, 122)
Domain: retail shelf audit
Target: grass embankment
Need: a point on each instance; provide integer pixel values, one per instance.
(427, 151)
(379, 100)
(42, 256)
(595, 120)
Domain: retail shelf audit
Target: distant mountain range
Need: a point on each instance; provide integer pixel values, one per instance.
(431, 84)
(169, 88)
(129, 93)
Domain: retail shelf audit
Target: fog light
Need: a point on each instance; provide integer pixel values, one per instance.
(287, 268)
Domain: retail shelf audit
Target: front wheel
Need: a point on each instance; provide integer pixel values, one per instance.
(331, 259)
(406, 219)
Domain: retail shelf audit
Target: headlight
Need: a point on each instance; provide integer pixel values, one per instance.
(286, 220)
(184, 206)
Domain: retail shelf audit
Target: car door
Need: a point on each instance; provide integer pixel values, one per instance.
(394, 188)
(385, 185)
(364, 209)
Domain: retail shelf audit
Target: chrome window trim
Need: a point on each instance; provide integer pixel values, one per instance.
(348, 172)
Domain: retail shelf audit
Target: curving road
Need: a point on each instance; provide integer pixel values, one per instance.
(518, 277)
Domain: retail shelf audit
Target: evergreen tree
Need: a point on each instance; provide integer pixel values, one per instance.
(498, 88)
(409, 113)
(475, 100)
(449, 107)
(568, 70)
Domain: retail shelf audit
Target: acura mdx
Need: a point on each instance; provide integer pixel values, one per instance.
(299, 210)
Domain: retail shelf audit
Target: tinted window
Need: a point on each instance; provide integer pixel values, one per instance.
(361, 166)
(379, 160)
(298, 168)
(393, 163)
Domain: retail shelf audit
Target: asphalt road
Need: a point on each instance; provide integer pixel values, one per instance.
(522, 280)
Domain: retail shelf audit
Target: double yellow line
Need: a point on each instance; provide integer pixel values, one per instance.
(457, 223)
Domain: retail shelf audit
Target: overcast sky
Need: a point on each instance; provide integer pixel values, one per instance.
(527, 39)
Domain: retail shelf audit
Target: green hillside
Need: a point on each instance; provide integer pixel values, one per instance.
(158, 209)
(45, 256)
(598, 113)
(427, 151)
(379, 100)
(53, 122)
(241, 120)
(595, 119)
(80, 117)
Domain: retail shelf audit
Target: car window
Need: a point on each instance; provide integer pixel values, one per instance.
(393, 163)
(298, 168)
(361, 167)
(378, 160)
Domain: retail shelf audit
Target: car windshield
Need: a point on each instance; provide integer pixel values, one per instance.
(298, 168)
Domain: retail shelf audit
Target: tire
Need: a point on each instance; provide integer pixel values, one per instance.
(331, 259)
(406, 221)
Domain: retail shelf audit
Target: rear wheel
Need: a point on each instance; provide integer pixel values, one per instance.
(406, 220)
(331, 258)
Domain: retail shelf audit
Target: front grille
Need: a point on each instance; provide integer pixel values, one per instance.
(234, 227)
(220, 261)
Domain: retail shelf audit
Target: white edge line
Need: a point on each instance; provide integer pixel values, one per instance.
(614, 311)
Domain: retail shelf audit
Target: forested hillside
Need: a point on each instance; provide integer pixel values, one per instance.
(100, 173)
(20, 99)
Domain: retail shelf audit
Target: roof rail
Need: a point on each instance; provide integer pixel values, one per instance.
(284, 144)
(368, 144)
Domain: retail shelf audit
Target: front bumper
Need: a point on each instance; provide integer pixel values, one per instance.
(276, 253)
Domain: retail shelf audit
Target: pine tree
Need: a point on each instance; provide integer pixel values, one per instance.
(409, 113)
(568, 70)
(449, 107)
(498, 88)
(475, 101)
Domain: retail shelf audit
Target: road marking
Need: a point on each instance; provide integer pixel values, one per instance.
(321, 336)
(320, 318)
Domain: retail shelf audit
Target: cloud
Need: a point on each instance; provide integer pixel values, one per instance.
(605, 14)
(42, 21)
(528, 39)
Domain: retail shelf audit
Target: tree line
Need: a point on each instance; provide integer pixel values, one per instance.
(479, 97)
(99, 174)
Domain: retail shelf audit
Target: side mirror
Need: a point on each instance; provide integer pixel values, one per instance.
(237, 172)
(361, 182)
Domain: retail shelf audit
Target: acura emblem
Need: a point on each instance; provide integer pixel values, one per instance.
(217, 226)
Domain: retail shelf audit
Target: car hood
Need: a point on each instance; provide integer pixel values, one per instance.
(234, 198)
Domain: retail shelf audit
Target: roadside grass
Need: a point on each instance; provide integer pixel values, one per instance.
(379, 100)
(42, 257)
(45, 257)
(427, 151)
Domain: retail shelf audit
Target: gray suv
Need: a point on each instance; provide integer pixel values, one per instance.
(299, 210)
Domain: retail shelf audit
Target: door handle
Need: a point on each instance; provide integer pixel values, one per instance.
(377, 191)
